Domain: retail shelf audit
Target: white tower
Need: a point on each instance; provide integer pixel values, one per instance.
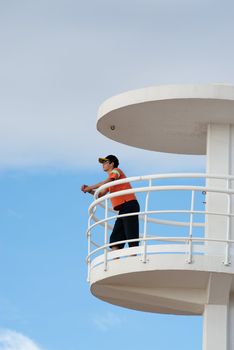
(187, 275)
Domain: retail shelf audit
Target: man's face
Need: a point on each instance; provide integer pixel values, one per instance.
(107, 166)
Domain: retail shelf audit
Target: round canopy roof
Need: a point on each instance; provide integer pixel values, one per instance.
(169, 119)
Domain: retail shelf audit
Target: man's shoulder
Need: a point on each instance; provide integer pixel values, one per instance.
(118, 172)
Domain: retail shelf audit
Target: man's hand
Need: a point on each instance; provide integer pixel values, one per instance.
(86, 188)
(83, 187)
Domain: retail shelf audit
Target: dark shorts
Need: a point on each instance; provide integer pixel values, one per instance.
(126, 227)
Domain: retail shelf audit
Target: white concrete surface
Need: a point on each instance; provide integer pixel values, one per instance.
(171, 119)
(218, 311)
(165, 284)
(188, 119)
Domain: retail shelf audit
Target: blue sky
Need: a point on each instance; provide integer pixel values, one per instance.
(59, 61)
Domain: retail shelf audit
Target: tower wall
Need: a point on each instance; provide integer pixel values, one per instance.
(219, 307)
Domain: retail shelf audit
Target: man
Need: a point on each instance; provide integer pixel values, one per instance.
(125, 227)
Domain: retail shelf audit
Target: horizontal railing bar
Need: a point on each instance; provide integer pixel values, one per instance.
(101, 222)
(153, 220)
(175, 223)
(168, 222)
(162, 239)
(141, 217)
(172, 223)
(160, 188)
(165, 176)
(174, 211)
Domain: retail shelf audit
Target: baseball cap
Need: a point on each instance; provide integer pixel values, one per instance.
(111, 158)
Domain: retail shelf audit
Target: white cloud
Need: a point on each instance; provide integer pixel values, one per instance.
(11, 340)
(106, 322)
(59, 63)
(72, 142)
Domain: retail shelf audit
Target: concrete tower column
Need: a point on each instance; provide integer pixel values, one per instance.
(219, 161)
(231, 323)
(219, 306)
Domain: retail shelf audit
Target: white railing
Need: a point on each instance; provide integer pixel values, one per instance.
(191, 242)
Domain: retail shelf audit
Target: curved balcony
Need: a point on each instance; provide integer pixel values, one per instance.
(170, 270)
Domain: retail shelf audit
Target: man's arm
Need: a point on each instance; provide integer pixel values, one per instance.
(90, 189)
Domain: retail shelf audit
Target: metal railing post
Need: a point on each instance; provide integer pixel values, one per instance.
(227, 257)
(89, 243)
(106, 235)
(189, 260)
(146, 224)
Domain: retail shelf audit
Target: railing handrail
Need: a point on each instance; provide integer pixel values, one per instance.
(164, 176)
(224, 189)
(164, 222)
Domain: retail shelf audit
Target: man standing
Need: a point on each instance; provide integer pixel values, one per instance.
(125, 227)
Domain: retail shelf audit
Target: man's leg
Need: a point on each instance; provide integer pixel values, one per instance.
(131, 223)
(117, 234)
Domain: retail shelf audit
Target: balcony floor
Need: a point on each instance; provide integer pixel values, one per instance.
(164, 284)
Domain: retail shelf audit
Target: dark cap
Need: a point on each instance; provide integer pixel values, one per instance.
(111, 159)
